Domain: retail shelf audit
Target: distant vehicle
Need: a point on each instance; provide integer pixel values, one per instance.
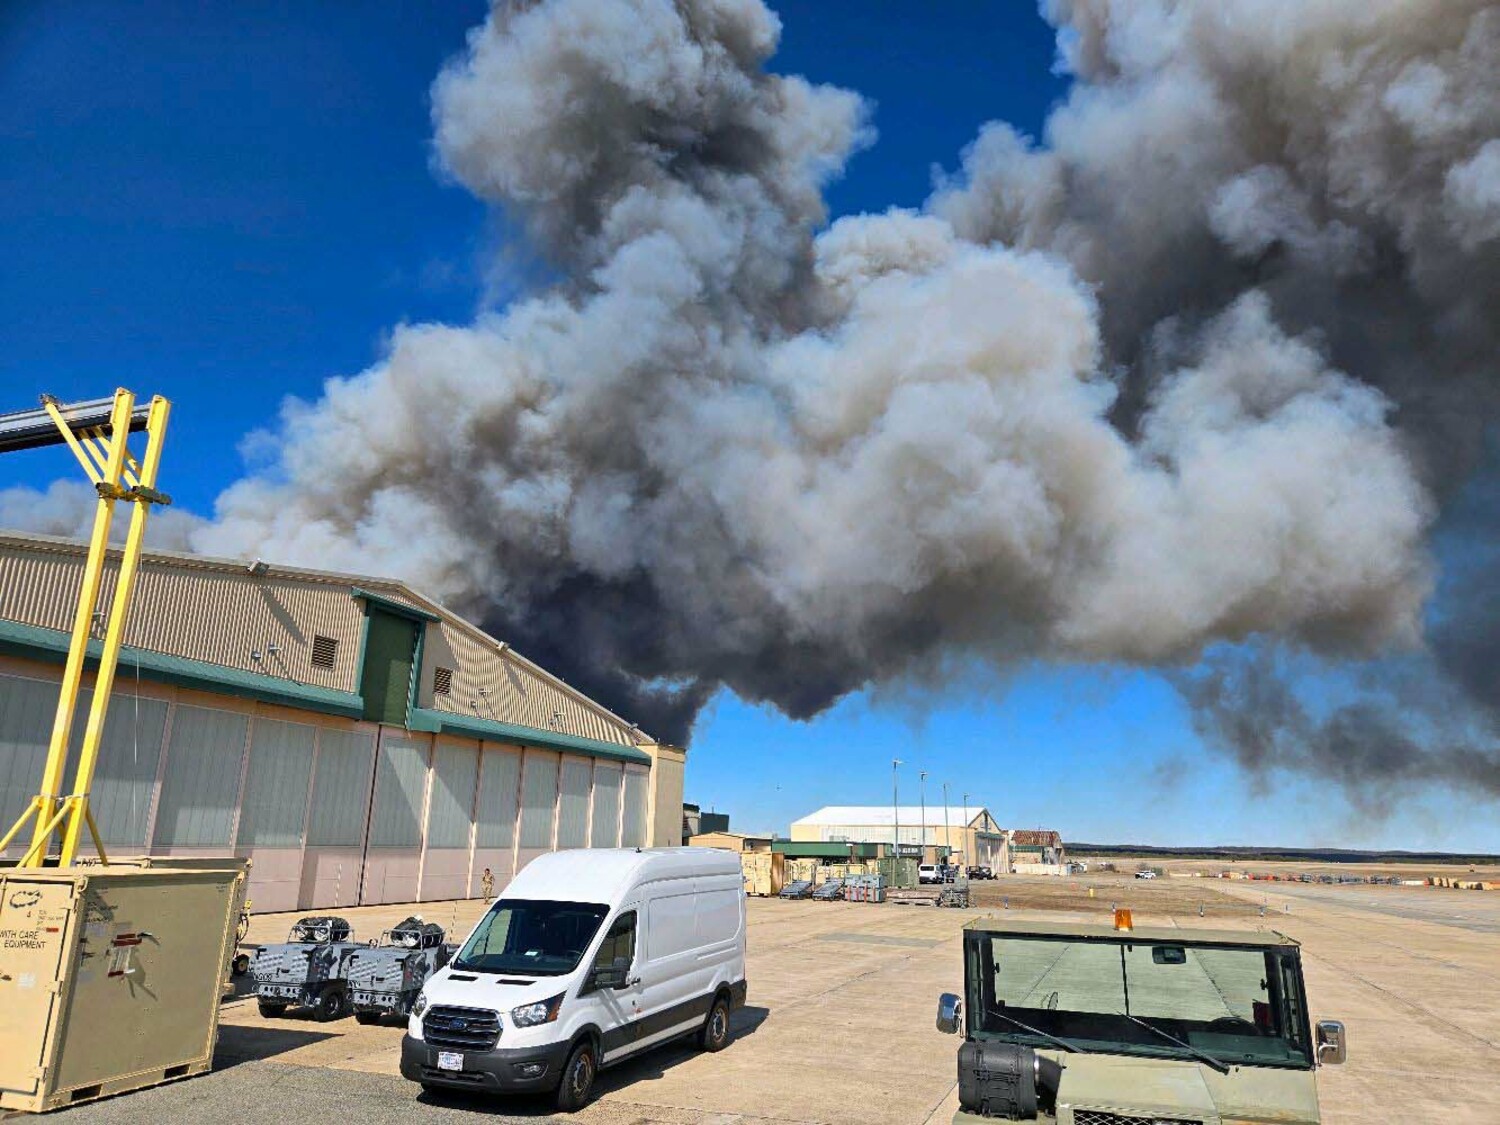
(928, 873)
(1077, 1022)
(1146, 874)
(981, 872)
(588, 957)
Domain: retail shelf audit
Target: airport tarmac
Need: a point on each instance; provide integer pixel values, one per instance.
(839, 1026)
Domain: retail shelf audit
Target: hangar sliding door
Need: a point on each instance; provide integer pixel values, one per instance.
(333, 858)
(450, 821)
(495, 830)
(393, 854)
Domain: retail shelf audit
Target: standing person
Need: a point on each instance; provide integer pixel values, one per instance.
(487, 885)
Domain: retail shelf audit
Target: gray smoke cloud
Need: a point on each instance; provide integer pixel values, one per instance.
(1198, 369)
(1337, 159)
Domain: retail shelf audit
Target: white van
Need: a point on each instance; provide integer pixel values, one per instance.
(587, 958)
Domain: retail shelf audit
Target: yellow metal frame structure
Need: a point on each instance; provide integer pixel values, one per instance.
(116, 476)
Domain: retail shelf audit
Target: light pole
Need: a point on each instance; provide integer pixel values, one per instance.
(966, 829)
(922, 832)
(947, 827)
(895, 815)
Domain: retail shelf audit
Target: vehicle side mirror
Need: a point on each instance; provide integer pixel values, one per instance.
(950, 1013)
(1333, 1047)
(614, 976)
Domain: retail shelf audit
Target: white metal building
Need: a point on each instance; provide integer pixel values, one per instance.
(970, 833)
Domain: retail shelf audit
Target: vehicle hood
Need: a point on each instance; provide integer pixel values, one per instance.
(1175, 1090)
(500, 992)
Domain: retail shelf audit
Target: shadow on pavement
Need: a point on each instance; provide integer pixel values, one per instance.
(650, 1065)
(240, 1043)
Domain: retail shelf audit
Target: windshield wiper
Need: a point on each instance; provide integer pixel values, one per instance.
(1221, 1067)
(1063, 1043)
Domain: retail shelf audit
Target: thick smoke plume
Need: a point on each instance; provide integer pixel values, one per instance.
(1202, 366)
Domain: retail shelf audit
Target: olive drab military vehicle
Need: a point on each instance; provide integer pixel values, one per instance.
(386, 977)
(309, 969)
(1074, 1024)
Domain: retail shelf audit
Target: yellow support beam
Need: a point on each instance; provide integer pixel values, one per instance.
(114, 632)
(108, 485)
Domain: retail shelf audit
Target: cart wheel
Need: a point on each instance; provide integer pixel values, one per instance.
(366, 1018)
(577, 1078)
(241, 964)
(271, 1009)
(330, 1005)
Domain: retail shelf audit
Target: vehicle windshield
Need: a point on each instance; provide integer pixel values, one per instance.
(1238, 1005)
(532, 938)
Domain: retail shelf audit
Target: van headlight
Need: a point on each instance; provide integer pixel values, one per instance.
(543, 1011)
(419, 1005)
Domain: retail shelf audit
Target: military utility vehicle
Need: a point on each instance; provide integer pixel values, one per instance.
(310, 969)
(1075, 1024)
(386, 977)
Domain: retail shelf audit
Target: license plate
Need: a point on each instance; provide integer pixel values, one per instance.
(450, 1060)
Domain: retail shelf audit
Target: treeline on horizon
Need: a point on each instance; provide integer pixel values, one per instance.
(1305, 855)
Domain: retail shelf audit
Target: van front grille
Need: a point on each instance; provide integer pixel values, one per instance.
(461, 1029)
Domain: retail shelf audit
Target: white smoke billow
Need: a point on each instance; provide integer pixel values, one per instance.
(1202, 366)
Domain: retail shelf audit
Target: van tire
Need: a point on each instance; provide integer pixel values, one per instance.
(578, 1075)
(715, 1033)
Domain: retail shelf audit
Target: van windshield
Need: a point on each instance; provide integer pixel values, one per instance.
(531, 937)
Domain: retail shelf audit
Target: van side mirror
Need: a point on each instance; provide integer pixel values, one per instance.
(614, 976)
(950, 1013)
(1333, 1047)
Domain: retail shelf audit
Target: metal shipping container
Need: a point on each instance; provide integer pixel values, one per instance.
(110, 978)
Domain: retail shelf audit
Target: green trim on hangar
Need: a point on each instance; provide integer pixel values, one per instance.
(492, 730)
(51, 645)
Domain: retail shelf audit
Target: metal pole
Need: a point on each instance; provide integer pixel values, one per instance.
(947, 825)
(143, 496)
(968, 832)
(922, 832)
(895, 815)
(108, 486)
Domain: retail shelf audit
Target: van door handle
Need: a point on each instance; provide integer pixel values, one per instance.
(632, 982)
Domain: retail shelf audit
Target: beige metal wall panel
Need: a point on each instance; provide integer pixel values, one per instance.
(574, 782)
(275, 877)
(200, 786)
(604, 830)
(202, 613)
(129, 755)
(400, 790)
(27, 708)
(493, 685)
(450, 812)
(274, 804)
(538, 799)
(635, 814)
(330, 878)
(499, 800)
(341, 789)
(445, 875)
(391, 875)
(664, 802)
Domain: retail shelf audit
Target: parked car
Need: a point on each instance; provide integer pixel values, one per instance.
(981, 872)
(588, 957)
(1145, 874)
(928, 873)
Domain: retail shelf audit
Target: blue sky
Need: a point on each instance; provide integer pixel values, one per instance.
(228, 203)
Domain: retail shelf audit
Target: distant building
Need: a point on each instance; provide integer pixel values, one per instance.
(731, 841)
(971, 835)
(695, 821)
(1036, 845)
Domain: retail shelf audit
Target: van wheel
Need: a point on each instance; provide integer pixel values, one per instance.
(715, 1033)
(577, 1078)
